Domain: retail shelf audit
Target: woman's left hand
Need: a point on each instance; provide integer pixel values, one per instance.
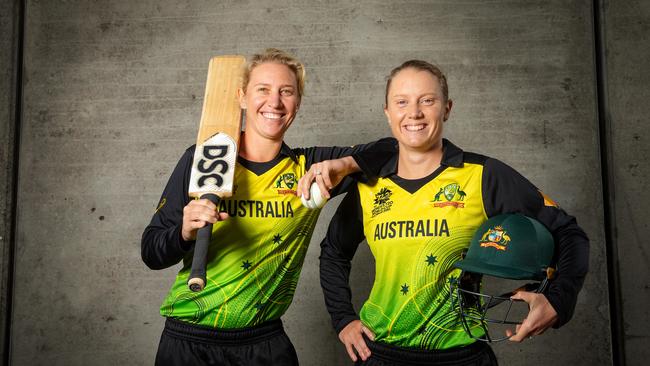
(327, 174)
(541, 316)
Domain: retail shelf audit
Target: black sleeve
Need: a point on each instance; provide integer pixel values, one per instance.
(370, 157)
(162, 245)
(507, 191)
(337, 249)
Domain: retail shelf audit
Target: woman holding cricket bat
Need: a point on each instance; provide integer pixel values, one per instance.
(260, 234)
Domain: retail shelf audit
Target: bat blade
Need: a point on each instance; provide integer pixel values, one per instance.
(213, 169)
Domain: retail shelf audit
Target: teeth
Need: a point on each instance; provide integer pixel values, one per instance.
(414, 127)
(272, 115)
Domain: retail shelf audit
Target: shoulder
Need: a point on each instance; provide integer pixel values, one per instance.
(190, 151)
(188, 156)
(489, 163)
(455, 156)
(474, 158)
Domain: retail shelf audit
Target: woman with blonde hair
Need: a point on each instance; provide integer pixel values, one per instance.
(259, 237)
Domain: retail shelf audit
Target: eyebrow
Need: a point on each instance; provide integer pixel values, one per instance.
(281, 86)
(421, 96)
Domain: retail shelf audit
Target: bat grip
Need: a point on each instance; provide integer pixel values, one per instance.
(197, 278)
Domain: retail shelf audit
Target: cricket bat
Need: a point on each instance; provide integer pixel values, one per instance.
(213, 169)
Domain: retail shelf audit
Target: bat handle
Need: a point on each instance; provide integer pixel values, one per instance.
(197, 279)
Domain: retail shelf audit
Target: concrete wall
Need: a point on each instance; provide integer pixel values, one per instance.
(628, 36)
(113, 94)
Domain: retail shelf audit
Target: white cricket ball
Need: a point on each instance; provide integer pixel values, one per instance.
(316, 200)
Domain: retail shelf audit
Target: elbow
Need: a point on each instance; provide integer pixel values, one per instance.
(155, 263)
(147, 259)
(152, 265)
(147, 253)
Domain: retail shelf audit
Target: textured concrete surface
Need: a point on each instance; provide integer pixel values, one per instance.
(628, 36)
(7, 131)
(113, 95)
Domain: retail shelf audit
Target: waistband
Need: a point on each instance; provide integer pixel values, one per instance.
(223, 337)
(412, 356)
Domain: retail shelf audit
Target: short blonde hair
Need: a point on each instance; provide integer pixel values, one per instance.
(275, 55)
(420, 65)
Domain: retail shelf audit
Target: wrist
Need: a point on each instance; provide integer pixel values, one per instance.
(350, 165)
(185, 244)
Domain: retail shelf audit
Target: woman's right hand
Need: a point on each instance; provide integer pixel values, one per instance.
(196, 215)
(352, 337)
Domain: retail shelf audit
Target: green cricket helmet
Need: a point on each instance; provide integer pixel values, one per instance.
(506, 248)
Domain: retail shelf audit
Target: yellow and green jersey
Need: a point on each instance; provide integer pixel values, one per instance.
(416, 230)
(255, 257)
(415, 238)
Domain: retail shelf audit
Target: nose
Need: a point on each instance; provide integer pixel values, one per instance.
(274, 100)
(414, 111)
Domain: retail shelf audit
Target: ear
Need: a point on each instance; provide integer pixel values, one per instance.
(242, 98)
(386, 113)
(450, 103)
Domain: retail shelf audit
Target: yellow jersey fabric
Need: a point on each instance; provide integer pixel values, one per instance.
(415, 238)
(254, 282)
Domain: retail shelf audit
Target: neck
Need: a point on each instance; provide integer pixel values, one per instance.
(254, 148)
(415, 164)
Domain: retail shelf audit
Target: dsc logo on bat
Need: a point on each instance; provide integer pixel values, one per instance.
(213, 167)
(211, 160)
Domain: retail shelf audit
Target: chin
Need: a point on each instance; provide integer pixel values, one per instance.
(417, 145)
(275, 134)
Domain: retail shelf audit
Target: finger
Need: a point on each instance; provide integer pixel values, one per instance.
(327, 180)
(190, 226)
(362, 348)
(319, 171)
(368, 333)
(539, 331)
(522, 333)
(516, 338)
(302, 183)
(199, 223)
(523, 295)
(353, 356)
(223, 216)
(192, 221)
(195, 225)
(206, 217)
(206, 203)
(306, 184)
(299, 187)
(320, 180)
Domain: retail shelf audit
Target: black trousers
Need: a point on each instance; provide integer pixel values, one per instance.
(475, 354)
(188, 344)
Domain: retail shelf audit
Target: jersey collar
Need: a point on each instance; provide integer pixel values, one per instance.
(287, 151)
(261, 168)
(452, 156)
